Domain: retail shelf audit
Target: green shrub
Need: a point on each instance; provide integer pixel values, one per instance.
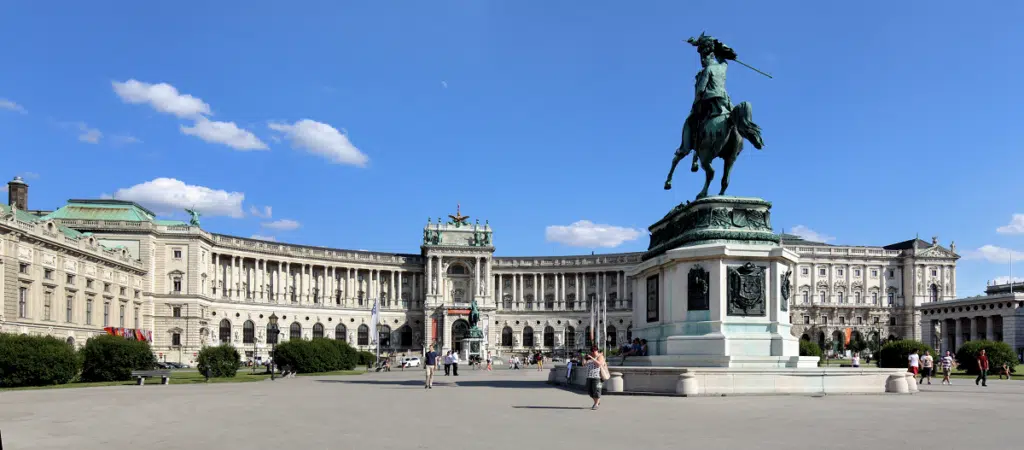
(221, 361)
(808, 348)
(113, 358)
(317, 355)
(894, 353)
(998, 353)
(36, 361)
(367, 358)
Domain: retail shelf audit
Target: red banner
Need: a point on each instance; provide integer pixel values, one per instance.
(847, 332)
(458, 311)
(131, 334)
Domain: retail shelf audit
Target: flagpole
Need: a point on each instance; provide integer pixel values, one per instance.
(605, 327)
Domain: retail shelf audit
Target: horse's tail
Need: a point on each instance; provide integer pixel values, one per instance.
(742, 118)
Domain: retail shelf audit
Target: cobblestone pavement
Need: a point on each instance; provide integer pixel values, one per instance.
(498, 410)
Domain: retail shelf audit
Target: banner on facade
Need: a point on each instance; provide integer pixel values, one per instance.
(847, 334)
(130, 333)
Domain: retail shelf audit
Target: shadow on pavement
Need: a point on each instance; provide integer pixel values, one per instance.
(513, 384)
(549, 407)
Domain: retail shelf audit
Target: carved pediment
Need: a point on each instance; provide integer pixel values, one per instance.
(822, 284)
(840, 285)
(857, 285)
(936, 252)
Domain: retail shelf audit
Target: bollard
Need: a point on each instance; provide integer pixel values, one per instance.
(897, 384)
(615, 383)
(911, 383)
(687, 384)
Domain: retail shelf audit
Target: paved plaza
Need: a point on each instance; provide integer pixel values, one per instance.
(499, 410)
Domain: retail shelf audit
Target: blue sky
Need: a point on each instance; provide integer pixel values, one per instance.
(356, 121)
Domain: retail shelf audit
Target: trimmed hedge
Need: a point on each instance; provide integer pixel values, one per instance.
(221, 361)
(113, 358)
(998, 353)
(808, 348)
(317, 355)
(894, 353)
(367, 358)
(36, 361)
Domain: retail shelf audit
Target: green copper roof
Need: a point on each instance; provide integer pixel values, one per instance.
(25, 216)
(169, 223)
(113, 210)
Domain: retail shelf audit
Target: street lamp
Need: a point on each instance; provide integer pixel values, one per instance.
(272, 333)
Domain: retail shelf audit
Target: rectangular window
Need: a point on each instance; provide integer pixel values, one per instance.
(177, 285)
(842, 321)
(48, 274)
(821, 271)
(138, 293)
(529, 282)
(176, 339)
(47, 303)
(804, 271)
(824, 320)
(23, 268)
(856, 297)
(840, 272)
(892, 298)
(652, 298)
(891, 273)
(135, 317)
(935, 273)
(69, 309)
(860, 321)
(875, 321)
(821, 297)
(106, 314)
(856, 273)
(807, 297)
(874, 298)
(874, 272)
(807, 320)
(22, 302)
(120, 317)
(106, 287)
(892, 321)
(840, 297)
(88, 283)
(176, 311)
(88, 311)
(123, 291)
(177, 253)
(70, 280)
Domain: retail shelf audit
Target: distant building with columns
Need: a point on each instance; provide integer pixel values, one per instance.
(996, 316)
(96, 264)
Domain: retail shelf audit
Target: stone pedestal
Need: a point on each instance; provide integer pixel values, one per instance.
(472, 346)
(715, 289)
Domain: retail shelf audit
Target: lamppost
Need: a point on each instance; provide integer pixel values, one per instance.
(272, 334)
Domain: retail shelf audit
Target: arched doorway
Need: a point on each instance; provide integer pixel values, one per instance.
(549, 337)
(225, 331)
(506, 337)
(339, 333)
(460, 331)
(318, 330)
(528, 337)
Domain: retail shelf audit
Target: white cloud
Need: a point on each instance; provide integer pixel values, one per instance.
(89, 135)
(585, 233)
(226, 133)
(322, 139)
(281, 225)
(1006, 280)
(168, 195)
(444, 84)
(810, 235)
(162, 97)
(263, 238)
(264, 213)
(994, 254)
(11, 106)
(1016, 225)
(125, 139)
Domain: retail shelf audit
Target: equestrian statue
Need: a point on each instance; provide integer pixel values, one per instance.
(715, 127)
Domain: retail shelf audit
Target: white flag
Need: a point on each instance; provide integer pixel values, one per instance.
(374, 319)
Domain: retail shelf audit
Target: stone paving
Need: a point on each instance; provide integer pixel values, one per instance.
(498, 410)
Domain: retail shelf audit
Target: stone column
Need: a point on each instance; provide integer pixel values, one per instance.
(990, 333)
(579, 282)
(476, 275)
(217, 275)
(501, 292)
(621, 288)
(944, 337)
(535, 285)
(515, 298)
(974, 328)
(429, 268)
(604, 293)
(959, 326)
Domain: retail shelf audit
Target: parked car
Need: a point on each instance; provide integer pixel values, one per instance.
(411, 362)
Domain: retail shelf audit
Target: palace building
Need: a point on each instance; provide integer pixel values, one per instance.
(110, 266)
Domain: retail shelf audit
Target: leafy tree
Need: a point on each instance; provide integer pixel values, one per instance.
(998, 353)
(113, 358)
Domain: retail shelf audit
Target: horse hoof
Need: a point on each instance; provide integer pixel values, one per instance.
(668, 185)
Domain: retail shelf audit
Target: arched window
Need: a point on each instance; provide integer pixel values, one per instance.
(935, 292)
(610, 338)
(295, 331)
(570, 337)
(271, 336)
(318, 331)
(805, 337)
(405, 336)
(225, 331)
(457, 269)
(71, 341)
(528, 337)
(506, 337)
(363, 335)
(340, 333)
(549, 337)
(384, 338)
(248, 332)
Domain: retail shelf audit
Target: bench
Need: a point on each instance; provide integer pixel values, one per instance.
(141, 375)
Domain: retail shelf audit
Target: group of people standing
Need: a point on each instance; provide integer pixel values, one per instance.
(925, 366)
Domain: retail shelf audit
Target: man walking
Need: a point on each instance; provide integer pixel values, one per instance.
(947, 367)
(430, 363)
(982, 369)
(926, 367)
(914, 364)
(448, 363)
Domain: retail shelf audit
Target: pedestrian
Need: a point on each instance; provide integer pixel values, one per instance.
(1005, 370)
(594, 362)
(947, 367)
(430, 364)
(540, 361)
(455, 364)
(856, 360)
(914, 364)
(926, 367)
(982, 369)
(448, 363)
(489, 368)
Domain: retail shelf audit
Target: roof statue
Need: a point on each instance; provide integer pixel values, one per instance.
(458, 219)
(194, 216)
(715, 127)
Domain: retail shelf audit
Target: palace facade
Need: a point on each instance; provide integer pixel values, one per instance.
(102, 266)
